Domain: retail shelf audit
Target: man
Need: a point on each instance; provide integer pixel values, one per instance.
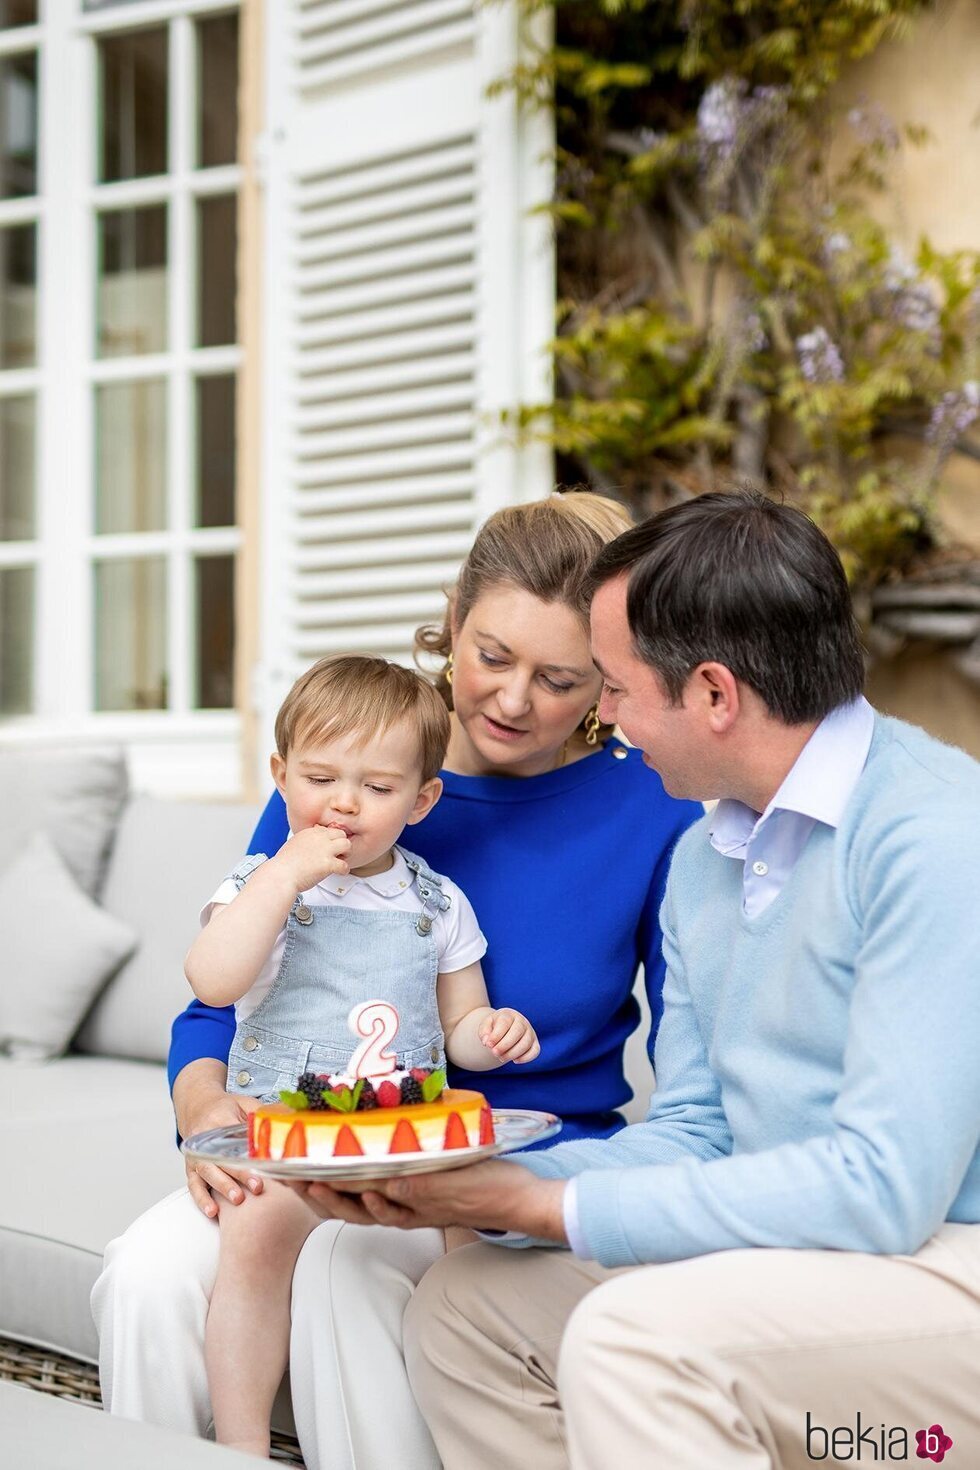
(782, 1263)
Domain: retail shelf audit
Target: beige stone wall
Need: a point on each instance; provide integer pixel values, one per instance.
(923, 686)
(933, 79)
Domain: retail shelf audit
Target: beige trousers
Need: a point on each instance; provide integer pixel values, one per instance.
(742, 1360)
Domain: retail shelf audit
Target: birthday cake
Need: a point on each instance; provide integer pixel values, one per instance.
(402, 1113)
(374, 1109)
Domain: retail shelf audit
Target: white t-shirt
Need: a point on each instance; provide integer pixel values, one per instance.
(455, 930)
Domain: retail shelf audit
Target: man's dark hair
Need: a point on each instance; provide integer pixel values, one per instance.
(738, 579)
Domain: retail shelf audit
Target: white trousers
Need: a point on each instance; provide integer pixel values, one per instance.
(352, 1402)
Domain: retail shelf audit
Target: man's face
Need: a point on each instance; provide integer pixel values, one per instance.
(634, 698)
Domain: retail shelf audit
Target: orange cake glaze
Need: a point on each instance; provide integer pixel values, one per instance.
(459, 1119)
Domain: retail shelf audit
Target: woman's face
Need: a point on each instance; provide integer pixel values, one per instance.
(523, 679)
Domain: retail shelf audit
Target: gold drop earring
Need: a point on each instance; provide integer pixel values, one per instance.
(592, 725)
(448, 670)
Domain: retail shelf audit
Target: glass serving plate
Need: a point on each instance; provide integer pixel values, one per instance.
(515, 1128)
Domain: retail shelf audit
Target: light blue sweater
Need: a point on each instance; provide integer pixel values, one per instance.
(818, 1066)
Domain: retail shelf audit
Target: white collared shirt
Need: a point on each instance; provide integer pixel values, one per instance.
(456, 933)
(816, 789)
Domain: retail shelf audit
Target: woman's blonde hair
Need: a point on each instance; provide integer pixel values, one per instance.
(544, 547)
(350, 694)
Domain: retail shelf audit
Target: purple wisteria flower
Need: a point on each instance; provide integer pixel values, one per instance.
(755, 333)
(899, 271)
(820, 358)
(730, 116)
(719, 115)
(911, 300)
(874, 127)
(916, 308)
(837, 243)
(954, 413)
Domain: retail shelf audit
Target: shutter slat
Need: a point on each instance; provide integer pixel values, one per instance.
(384, 408)
(432, 224)
(384, 208)
(397, 261)
(407, 347)
(395, 378)
(391, 321)
(395, 52)
(403, 607)
(350, 32)
(358, 581)
(412, 287)
(395, 638)
(386, 494)
(365, 555)
(432, 429)
(330, 188)
(362, 525)
(421, 461)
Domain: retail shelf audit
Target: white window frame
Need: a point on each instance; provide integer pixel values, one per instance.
(180, 749)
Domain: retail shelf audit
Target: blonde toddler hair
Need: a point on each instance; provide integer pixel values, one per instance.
(352, 693)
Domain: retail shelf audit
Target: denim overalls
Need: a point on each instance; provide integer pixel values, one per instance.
(336, 957)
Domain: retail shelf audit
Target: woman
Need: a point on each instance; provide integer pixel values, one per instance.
(561, 840)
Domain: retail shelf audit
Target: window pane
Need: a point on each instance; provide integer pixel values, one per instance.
(133, 281)
(131, 634)
(17, 13)
(216, 287)
(18, 295)
(16, 640)
(16, 469)
(217, 90)
(215, 589)
(133, 104)
(18, 125)
(215, 452)
(131, 456)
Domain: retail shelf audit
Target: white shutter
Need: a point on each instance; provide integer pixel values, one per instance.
(408, 299)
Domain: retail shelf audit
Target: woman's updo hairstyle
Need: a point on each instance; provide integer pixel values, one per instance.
(544, 547)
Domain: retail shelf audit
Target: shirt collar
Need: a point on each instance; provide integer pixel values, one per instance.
(818, 784)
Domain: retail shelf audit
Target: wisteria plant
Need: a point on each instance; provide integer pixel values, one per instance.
(730, 304)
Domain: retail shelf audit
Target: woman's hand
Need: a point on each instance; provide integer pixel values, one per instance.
(200, 1103)
(510, 1036)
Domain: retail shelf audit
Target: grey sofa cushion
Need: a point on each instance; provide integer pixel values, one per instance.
(88, 1146)
(59, 949)
(167, 860)
(46, 1433)
(75, 796)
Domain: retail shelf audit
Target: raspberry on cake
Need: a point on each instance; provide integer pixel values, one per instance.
(402, 1113)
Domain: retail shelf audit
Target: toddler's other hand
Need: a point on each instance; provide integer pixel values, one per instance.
(314, 853)
(510, 1036)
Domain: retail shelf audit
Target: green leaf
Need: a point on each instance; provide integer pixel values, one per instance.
(339, 1101)
(296, 1100)
(356, 1094)
(433, 1085)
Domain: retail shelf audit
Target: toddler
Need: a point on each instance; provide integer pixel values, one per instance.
(341, 914)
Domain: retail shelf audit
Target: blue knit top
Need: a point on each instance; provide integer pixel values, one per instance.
(566, 872)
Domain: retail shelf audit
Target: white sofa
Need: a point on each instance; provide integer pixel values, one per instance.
(89, 1135)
